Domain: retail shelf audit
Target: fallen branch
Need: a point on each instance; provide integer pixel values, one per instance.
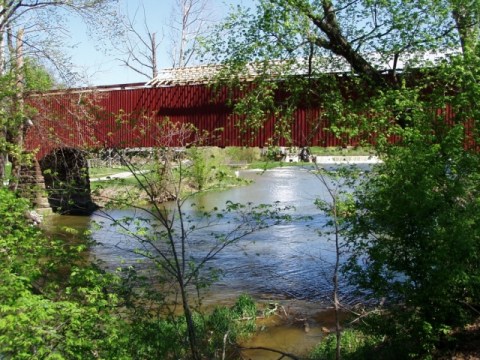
(291, 356)
(470, 307)
(363, 315)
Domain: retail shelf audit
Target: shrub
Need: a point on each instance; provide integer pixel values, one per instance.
(225, 326)
(42, 319)
(355, 345)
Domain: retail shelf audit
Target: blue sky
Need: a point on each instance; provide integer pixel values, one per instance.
(101, 69)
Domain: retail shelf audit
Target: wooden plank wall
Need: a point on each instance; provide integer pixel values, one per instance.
(127, 118)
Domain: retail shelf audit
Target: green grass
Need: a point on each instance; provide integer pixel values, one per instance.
(130, 181)
(355, 345)
(333, 151)
(8, 170)
(105, 171)
(270, 164)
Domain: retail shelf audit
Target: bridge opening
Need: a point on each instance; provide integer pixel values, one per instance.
(65, 171)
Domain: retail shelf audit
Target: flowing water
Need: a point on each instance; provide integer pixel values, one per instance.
(289, 264)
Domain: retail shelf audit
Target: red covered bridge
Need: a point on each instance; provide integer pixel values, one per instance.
(134, 116)
(129, 117)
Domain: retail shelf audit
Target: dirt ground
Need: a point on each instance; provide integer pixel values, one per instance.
(469, 344)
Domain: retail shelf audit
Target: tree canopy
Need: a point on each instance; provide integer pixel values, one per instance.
(383, 45)
(365, 34)
(45, 36)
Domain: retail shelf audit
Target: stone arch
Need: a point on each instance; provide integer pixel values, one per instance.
(65, 171)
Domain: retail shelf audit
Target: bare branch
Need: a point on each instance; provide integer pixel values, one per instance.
(282, 353)
(189, 20)
(139, 46)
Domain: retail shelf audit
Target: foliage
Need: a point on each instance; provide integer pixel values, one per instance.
(35, 328)
(228, 325)
(209, 168)
(417, 223)
(151, 336)
(338, 151)
(337, 205)
(38, 319)
(37, 77)
(242, 154)
(355, 345)
(74, 316)
(19, 247)
(292, 51)
(205, 168)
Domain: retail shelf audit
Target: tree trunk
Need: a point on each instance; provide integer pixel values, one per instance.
(3, 131)
(154, 56)
(336, 301)
(466, 20)
(3, 159)
(339, 45)
(338, 329)
(16, 136)
(192, 337)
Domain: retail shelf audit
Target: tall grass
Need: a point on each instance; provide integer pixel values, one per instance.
(355, 346)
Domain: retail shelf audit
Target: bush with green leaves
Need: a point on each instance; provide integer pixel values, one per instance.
(225, 326)
(415, 237)
(242, 154)
(157, 338)
(355, 345)
(153, 335)
(41, 318)
(207, 167)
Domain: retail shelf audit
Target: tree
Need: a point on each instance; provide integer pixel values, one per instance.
(139, 47)
(33, 29)
(403, 68)
(287, 29)
(337, 205)
(417, 228)
(45, 315)
(44, 30)
(320, 40)
(466, 15)
(190, 19)
(15, 134)
(178, 240)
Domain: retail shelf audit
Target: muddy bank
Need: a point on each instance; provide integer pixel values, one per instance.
(295, 328)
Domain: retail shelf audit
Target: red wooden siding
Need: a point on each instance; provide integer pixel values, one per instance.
(129, 118)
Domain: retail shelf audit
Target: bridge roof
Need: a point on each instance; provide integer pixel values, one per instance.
(184, 76)
(205, 74)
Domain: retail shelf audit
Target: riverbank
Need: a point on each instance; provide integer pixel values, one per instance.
(320, 161)
(108, 187)
(347, 159)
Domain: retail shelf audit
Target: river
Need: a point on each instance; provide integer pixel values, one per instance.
(289, 264)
